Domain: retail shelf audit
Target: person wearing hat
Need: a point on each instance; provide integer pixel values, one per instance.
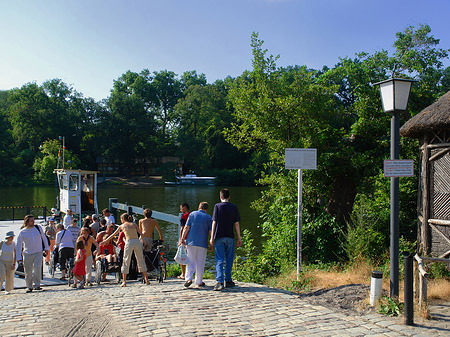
(7, 262)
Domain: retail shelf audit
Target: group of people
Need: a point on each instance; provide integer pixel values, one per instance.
(199, 230)
(93, 241)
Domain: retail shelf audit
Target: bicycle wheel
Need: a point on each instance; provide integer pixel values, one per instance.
(99, 271)
(52, 267)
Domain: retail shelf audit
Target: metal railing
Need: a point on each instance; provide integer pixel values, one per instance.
(114, 205)
(19, 212)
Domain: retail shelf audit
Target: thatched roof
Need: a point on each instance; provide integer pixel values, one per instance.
(432, 118)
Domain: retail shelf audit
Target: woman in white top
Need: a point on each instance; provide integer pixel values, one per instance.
(7, 261)
(33, 241)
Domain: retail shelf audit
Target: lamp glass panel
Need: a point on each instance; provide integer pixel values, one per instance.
(387, 95)
(402, 89)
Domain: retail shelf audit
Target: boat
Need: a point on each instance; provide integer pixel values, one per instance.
(77, 191)
(193, 179)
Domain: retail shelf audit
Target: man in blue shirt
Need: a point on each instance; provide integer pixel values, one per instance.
(225, 219)
(195, 236)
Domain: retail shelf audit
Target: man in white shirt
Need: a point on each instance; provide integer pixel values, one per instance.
(68, 218)
(109, 217)
(65, 246)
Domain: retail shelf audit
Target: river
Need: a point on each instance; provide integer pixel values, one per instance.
(157, 197)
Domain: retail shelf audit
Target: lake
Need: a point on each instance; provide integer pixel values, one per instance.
(157, 197)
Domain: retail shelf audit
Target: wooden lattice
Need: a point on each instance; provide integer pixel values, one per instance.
(440, 188)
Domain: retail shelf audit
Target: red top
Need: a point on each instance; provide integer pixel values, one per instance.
(121, 241)
(109, 247)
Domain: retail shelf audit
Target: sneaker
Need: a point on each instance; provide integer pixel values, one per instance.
(29, 290)
(81, 286)
(230, 284)
(7, 292)
(188, 283)
(218, 286)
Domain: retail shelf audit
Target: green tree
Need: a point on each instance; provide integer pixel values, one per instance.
(128, 126)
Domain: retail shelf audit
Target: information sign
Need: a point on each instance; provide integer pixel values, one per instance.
(300, 159)
(399, 168)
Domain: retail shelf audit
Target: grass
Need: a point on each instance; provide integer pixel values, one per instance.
(316, 277)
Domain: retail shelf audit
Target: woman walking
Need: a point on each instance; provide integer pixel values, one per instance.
(33, 241)
(132, 244)
(7, 262)
(88, 241)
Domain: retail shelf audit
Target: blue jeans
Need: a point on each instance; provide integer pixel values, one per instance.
(224, 253)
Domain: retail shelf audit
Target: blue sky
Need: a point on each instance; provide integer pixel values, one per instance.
(90, 43)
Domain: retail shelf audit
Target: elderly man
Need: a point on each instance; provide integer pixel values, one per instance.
(65, 246)
(68, 218)
(195, 236)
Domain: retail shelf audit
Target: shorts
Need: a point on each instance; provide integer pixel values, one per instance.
(147, 243)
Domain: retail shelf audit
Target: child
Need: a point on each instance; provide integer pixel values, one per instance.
(80, 265)
(7, 262)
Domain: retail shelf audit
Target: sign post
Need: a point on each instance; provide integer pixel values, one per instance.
(300, 159)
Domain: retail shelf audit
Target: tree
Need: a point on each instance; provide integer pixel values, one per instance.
(129, 126)
(167, 89)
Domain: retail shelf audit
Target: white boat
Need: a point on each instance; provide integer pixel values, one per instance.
(77, 191)
(193, 179)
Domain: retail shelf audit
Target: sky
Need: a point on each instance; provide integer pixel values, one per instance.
(90, 43)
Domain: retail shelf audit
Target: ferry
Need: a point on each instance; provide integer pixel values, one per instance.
(77, 191)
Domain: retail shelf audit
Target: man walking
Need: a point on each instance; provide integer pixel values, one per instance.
(225, 219)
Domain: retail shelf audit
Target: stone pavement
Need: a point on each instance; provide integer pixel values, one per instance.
(168, 309)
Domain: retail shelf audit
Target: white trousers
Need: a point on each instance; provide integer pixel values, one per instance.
(7, 274)
(197, 260)
(89, 268)
(136, 246)
(32, 266)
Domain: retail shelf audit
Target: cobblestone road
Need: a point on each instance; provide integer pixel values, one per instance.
(170, 310)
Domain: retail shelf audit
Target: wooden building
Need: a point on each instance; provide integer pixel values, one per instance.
(432, 127)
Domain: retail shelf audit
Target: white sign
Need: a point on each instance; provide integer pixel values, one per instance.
(297, 159)
(399, 168)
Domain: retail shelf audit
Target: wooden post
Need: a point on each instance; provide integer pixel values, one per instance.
(425, 198)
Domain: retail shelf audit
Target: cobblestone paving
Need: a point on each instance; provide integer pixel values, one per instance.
(168, 309)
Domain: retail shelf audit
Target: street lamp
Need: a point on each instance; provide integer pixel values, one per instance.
(394, 96)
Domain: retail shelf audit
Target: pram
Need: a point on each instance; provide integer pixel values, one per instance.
(155, 260)
(103, 266)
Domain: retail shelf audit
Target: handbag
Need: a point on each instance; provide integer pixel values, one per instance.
(20, 271)
(181, 255)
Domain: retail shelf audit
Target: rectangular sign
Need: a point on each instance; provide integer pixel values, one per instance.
(305, 159)
(399, 168)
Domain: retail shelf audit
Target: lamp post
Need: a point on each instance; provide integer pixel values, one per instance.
(394, 96)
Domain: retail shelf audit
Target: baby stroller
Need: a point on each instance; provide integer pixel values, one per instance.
(103, 266)
(156, 260)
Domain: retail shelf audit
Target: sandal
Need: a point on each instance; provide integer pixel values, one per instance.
(123, 284)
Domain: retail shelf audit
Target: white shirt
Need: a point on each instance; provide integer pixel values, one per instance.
(110, 220)
(67, 220)
(31, 240)
(64, 241)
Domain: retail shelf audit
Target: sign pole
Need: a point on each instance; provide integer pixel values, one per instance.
(299, 224)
